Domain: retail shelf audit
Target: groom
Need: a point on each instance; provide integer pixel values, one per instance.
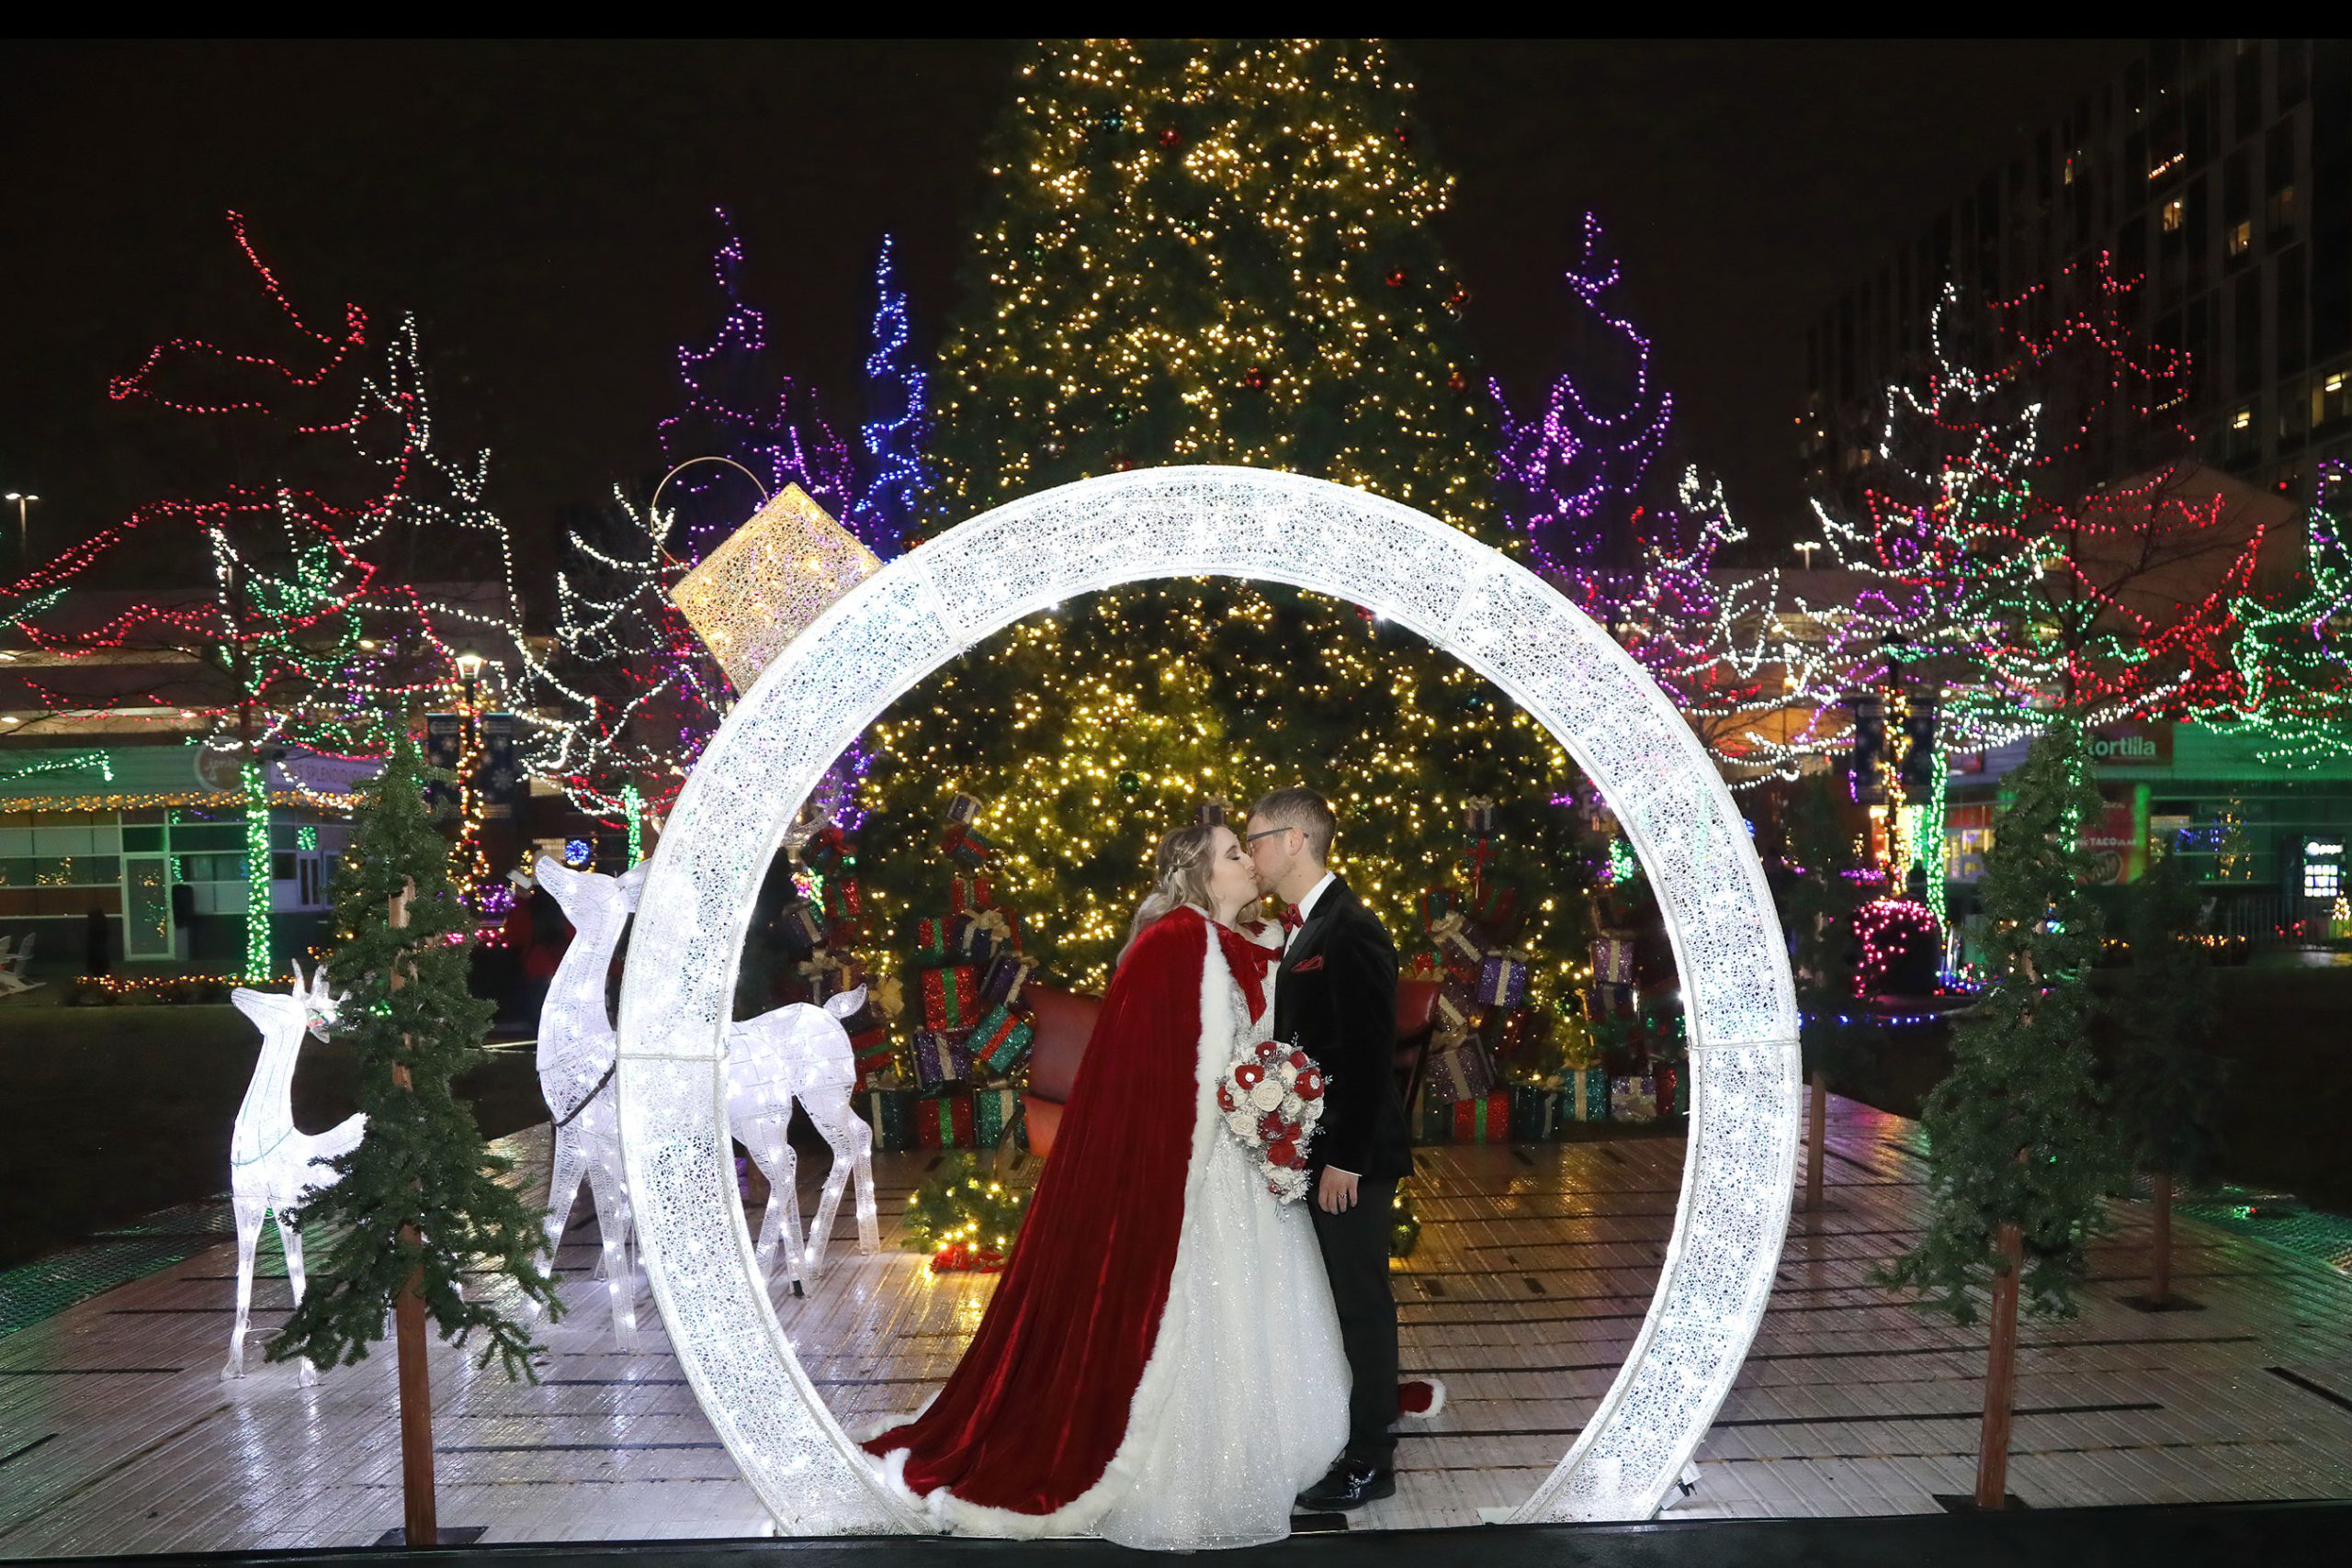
(1337, 1001)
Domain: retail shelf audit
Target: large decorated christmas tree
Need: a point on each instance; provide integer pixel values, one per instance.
(1210, 253)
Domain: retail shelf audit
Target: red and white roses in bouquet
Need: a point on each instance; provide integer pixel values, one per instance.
(1272, 1096)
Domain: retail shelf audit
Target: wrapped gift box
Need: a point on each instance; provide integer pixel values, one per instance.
(804, 923)
(946, 1121)
(934, 941)
(843, 899)
(1000, 1042)
(1461, 947)
(968, 846)
(1632, 1098)
(1478, 817)
(890, 1112)
(962, 807)
(969, 894)
(1502, 981)
(979, 936)
(876, 1058)
(951, 997)
(1436, 904)
(1486, 1120)
(1498, 908)
(1586, 1092)
(1453, 1008)
(941, 1057)
(1001, 985)
(1460, 1073)
(993, 1111)
(1534, 1112)
(1213, 812)
(1672, 1082)
(1613, 958)
(828, 976)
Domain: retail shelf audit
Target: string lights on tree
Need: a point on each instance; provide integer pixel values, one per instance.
(318, 630)
(1190, 252)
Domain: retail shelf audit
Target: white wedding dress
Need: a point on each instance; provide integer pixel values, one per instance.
(1245, 1404)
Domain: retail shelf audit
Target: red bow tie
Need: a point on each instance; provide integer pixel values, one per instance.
(1291, 919)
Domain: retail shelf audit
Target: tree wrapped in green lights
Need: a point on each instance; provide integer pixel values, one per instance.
(1209, 252)
(2294, 659)
(2020, 1149)
(419, 1201)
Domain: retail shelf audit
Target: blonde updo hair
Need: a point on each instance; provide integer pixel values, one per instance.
(1181, 869)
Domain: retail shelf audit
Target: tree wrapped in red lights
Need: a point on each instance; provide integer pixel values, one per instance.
(2035, 538)
(1580, 480)
(319, 627)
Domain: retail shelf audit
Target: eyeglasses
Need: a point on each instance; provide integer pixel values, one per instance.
(1264, 833)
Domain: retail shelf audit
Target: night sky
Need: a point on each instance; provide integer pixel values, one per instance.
(544, 209)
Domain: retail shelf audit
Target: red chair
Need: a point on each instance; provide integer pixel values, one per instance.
(1063, 1020)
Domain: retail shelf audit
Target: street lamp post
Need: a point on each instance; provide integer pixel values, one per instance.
(1806, 549)
(23, 500)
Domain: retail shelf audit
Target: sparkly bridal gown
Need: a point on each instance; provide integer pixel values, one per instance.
(1197, 1430)
(1258, 1406)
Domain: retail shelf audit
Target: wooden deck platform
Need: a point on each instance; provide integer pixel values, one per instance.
(117, 1434)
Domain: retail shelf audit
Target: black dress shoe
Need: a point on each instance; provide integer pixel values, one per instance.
(1348, 1485)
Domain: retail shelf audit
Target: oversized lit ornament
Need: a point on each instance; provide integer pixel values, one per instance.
(801, 1052)
(273, 1164)
(578, 1055)
(1271, 1099)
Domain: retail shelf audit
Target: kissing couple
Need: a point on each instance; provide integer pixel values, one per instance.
(1173, 1352)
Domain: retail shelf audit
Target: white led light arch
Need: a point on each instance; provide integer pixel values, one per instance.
(923, 609)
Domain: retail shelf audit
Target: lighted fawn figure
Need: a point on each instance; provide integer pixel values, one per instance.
(802, 1053)
(577, 1053)
(273, 1164)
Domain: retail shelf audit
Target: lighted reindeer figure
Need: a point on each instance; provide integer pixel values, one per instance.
(801, 1052)
(577, 1053)
(273, 1164)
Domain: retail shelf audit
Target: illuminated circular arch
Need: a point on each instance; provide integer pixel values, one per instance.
(922, 610)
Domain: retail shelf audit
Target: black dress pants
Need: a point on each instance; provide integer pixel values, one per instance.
(1355, 1256)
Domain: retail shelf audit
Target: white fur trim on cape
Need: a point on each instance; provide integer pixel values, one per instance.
(951, 1513)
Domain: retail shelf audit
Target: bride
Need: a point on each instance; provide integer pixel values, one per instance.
(1160, 1364)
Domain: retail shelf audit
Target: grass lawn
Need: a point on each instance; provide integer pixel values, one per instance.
(116, 1111)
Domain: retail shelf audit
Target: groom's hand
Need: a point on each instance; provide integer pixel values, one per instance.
(1336, 1193)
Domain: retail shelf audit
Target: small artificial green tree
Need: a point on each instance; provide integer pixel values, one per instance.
(2166, 1077)
(419, 1200)
(2020, 1150)
(1818, 902)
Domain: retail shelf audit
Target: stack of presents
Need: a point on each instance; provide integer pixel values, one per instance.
(1503, 1069)
(957, 1084)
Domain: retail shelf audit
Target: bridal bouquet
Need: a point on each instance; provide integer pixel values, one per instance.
(1271, 1098)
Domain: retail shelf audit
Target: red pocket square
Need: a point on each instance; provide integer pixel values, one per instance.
(1307, 964)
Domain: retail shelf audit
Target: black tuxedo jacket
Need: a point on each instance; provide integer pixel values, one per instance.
(1337, 1001)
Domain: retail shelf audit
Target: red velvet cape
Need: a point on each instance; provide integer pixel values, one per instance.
(1036, 1411)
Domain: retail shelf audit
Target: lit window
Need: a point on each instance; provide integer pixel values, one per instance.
(2176, 211)
(2241, 238)
(2241, 420)
(2282, 206)
(2322, 879)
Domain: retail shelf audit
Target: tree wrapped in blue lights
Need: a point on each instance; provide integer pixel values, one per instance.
(898, 423)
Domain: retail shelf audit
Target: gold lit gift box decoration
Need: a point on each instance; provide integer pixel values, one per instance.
(772, 576)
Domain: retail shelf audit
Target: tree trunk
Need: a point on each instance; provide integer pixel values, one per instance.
(420, 1524)
(1812, 1153)
(2160, 1290)
(2000, 1376)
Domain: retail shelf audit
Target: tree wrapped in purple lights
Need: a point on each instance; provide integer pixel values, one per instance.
(1571, 477)
(1580, 480)
(740, 405)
